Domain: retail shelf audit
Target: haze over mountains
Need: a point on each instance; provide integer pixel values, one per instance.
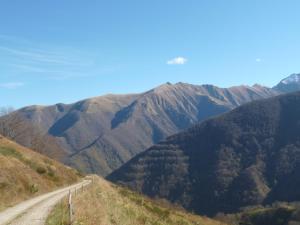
(100, 134)
(248, 156)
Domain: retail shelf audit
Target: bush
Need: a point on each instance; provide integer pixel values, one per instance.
(51, 173)
(3, 185)
(41, 170)
(33, 188)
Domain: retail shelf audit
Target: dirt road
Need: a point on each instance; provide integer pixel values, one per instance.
(36, 210)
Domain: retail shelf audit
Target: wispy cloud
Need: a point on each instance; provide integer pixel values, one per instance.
(11, 85)
(258, 60)
(27, 58)
(27, 68)
(177, 61)
(40, 56)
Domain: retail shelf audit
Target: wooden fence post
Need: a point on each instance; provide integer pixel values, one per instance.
(70, 208)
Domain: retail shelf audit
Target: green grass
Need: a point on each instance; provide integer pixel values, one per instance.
(163, 213)
(276, 216)
(10, 152)
(59, 215)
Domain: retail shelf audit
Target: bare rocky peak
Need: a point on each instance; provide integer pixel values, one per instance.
(294, 78)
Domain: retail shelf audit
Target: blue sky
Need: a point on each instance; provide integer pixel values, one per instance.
(66, 50)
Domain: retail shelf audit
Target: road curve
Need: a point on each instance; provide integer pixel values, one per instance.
(36, 210)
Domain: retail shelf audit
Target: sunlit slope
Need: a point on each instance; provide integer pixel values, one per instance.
(24, 173)
(106, 204)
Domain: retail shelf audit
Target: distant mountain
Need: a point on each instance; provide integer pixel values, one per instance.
(248, 156)
(289, 84)
(100, 134)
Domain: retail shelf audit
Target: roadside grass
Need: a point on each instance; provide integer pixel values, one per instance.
(103, 203)
(59, 215)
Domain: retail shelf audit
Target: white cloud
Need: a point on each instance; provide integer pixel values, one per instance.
(258, 60)
(177, 61)
(11, 85)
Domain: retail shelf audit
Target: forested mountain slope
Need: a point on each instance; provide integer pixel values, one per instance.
(248, 156)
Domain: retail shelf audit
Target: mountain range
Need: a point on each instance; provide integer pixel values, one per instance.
(245, 157)
(100, 134)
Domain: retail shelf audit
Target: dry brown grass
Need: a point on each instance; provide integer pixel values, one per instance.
(24, 174)
(106, 204)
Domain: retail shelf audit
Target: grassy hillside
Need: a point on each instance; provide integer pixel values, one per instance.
(25, 173)
(280, 213)
(106, 204)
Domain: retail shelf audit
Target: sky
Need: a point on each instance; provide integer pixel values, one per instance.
(64, 50)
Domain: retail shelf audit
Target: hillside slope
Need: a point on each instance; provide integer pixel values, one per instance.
(106, 204)
(248, 156)
(282, 213)
(25, 173)
(98, 135)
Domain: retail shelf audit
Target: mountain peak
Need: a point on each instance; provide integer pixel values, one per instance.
(167, 84)
(162, 87)
(294, 78)
(257, 86)
(289, 84)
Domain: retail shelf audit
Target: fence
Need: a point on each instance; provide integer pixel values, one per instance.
(70, 203)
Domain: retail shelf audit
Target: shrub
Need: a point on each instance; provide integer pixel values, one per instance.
(41, 170)
(33, 188)
(3, 185)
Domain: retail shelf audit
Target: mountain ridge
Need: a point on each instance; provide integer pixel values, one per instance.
(99, 134)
